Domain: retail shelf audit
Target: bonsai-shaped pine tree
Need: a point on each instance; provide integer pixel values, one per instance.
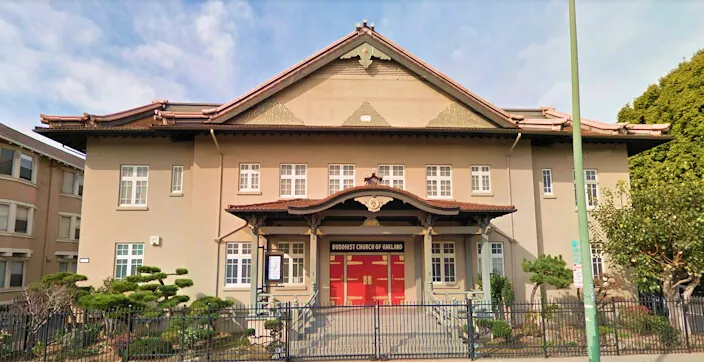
(548, 270)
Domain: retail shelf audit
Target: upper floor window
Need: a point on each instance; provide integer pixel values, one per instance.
(26, 167)
(7, 161)
(177, 179)
(18, 165)
(293, 263)
(547, 178)
(480, 179)
(591, 188)
(133, 185)
(438, 182)
(16, 218)
(496, 256)
(249, 177)
(128, 256)
(340, 177)
(72, 184)
(443, 262)
(11, 274)
(293, 181)
(69, 227)
(238, 259)
(392, 175)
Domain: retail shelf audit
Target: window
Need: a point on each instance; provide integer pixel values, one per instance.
(68, 266)
(64, 227)
(68, 184)
(22, 220)
(597, 263)
(293, 181)
(127, 258)
(26, 167)
(480, 179)
(438, 182)
(69, 227)
(340, 177)
(591, 188)
(443, 262)
(249, 177)
(293, 263)
(11, 274)
(16, 218)
(133, 185)
(392, 175)
(547, 181)
(177, 179)
(4, 217)
(238, 257)
(7, 160)
(496, 256)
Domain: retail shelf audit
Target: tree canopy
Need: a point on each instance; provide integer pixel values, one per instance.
(676, 99)
(548, 270)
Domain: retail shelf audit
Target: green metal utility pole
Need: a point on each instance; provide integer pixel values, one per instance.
(593, 342)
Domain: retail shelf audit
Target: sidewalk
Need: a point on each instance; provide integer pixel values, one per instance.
(676, 357)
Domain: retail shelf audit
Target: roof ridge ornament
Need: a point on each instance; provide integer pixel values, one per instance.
(373, 179)
(366, 52)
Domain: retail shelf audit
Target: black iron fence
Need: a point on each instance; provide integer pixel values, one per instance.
(412, 330)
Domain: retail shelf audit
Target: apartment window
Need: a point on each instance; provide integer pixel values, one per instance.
(238, 257)
(22, 220)
(177, 179)
(340, 177)
(69, 227)
(591, 188)
(7, 161)
(480, 179)
(293, 263)
(4, 217)
(438, 182)
(133, 185)
(72, 184)
(26, 167)
(16, 218)
(597, 261)
(18, 165)
(443, 262)
(249, 177)
(128, 256)
(11, 274)
(547, 177)
(392, 175)
(496, 257)
(293, 181)
(68, 266)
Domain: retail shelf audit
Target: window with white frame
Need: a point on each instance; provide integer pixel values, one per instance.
(16, 218)
(238, 258)
(591, 188)
(11, 274)
(438, 182)
(7, 161)
(69, 226)
(133, 185)
(392, 175)
(443, 262)
(17, 164)
(177, 179)
(26, 167)
(249, 177)
(72, 184)
(68, 266)
(293, 262)
(340, 177)
(480, 179)
(292, 181)
(496, 257)
(547, 178)
(128, 256)
(597, 261)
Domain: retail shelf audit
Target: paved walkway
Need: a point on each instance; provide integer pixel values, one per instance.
(676, 357)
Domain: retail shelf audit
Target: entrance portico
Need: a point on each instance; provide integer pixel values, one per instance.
(371, 244)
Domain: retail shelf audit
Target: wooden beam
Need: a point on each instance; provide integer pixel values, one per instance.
(370, 230)
(284, 230)
(365, 213)
(463, 230)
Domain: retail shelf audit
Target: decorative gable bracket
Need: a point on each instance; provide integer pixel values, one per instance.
(366, 52)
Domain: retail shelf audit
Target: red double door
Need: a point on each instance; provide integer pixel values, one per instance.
(364, 279)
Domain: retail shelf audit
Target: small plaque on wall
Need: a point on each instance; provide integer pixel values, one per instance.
(84, 260)
(274, 267)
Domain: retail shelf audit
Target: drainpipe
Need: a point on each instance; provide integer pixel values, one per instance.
(48, 212)
(509, 186)
(220, 214)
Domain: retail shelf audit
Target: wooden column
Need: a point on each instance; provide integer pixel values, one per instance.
(427, 223)
(255, 223)
(314, 222)
(486, 261)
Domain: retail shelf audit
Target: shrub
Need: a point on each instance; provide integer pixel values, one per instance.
(667, 334)
(273, 324)
(76, 353)
(5, 343)
(484, 323)
(605, 330)
(636, 319)
(248, 332)
(148, 348)
(502, 329)
(120, 342)
(81, 337)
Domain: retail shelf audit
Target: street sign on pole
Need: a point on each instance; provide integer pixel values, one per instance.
(577, 264)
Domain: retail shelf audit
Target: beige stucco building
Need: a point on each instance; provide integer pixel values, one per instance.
(278, 192)
(40, 210)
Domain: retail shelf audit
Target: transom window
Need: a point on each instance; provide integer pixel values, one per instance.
(72, 183)
(340, 177)
(128, 256)
(177, 179)
(249, 177)
(293, 181)
(480, 179)
(69, 227)
(496, 256)
(591, 188)
(11, 274)
(133, 185)
(293, 263)
(443, 262)
(238, 258)
(547, 178)
(392, 175)
(438, 182)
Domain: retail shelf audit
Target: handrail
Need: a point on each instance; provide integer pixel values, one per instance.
(305, 313)
(447, 315)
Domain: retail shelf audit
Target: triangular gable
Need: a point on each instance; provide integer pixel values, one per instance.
(367, 116)
(456, 115)
(350, 46)
(269, 112)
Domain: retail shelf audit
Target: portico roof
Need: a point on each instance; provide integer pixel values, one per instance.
(311, 206)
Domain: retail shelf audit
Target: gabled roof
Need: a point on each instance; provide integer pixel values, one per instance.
(15, 137)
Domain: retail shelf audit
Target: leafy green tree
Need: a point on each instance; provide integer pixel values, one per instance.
(655, 232)
(676, 99)
(547, 270)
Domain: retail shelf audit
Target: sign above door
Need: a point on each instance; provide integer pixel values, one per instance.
(367, 247)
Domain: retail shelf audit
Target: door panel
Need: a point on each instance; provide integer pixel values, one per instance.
(337, 285)
(378, 279)
(357, 279)
(397, 271)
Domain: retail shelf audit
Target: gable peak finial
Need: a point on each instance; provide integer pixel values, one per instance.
(364, 23)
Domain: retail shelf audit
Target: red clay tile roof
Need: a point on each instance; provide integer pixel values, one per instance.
(303, 204)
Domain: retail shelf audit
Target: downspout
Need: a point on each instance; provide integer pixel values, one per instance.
(509, 186)
(46, 219)
(220, 215)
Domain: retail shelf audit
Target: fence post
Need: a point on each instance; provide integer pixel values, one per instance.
(471, 330)
(183, 332)
(543, 330)
(46, 338)
(287, 330)
(129, 331)
(685, 324)
(208, 347)
(377, 331)
(615, 324)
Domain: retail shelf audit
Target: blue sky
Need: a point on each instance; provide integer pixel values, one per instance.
(70, 57)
